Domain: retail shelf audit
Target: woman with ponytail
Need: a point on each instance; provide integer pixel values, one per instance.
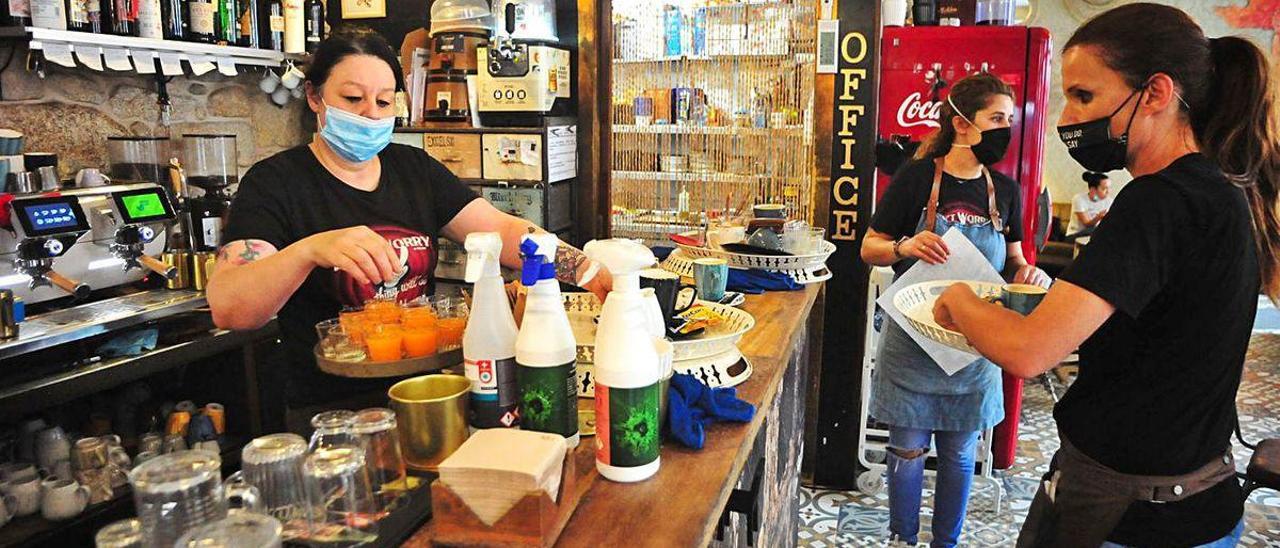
(1162, 301)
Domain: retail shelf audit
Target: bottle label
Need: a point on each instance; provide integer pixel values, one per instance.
(548, 398)
(627, 425)
(493, 393)
(202, 17)
(79, 13)
(277, 23)
(20, 8)
(49, 14)
(149, 19)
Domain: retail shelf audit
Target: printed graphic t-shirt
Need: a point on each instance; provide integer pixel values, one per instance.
(291, 196)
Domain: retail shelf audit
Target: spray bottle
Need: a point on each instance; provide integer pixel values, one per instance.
(489, 343)
(626, 366)
(546, 352)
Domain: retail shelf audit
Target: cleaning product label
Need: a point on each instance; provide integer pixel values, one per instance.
(549, 398)
(627, 425)
(493, 393)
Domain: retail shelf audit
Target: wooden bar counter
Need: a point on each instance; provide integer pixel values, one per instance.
(743, 465)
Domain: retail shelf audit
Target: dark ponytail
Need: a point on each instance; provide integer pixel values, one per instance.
(971, 94)
(1228, 86)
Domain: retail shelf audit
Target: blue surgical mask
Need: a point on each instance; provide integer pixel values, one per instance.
(354, 137)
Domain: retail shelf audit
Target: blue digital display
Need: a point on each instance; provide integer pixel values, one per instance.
(51, 217)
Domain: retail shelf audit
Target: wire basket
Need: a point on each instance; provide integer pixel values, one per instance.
(762, 262)
(583, 308)
(916, 301)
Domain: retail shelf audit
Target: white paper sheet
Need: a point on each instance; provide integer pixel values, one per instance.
(226, 66)
(89, 56)
(170, 64)
(145, 61)
(965, 263)
(200, 64)
(117, 59)
(57, 52)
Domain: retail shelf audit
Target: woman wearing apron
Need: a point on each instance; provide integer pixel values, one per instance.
(1161, 303)
(947, 186)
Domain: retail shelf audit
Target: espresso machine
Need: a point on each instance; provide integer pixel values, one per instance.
(71, 242)
(523, 71)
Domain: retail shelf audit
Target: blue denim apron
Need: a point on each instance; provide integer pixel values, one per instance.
(909, 389)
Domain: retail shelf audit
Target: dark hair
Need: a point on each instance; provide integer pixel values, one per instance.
(1093, 178)
(347, 42)
(1230, 102)
(971, 94)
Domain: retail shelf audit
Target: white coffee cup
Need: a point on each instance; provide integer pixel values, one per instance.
(292, 78)
(18, 471)
(280, 96)
(8, 508)
(64, 499)
(269, 82)
(26, 495)
(91, 177)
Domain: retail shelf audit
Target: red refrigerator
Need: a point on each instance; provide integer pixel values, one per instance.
(917, 67)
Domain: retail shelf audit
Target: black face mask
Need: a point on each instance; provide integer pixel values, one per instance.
(1091, 144)
(994, 143)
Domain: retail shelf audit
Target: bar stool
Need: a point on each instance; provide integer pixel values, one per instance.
(1264, 465)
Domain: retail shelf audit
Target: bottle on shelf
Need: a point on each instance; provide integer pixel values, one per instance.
(173, 16)
(19, 13)
(150, 23)
(273, 31)
(124, 17)
(249, 32)
(201, 28)
(98, 22)
(49, 14)
(77, 16)
(295, 30)
(226, 22)
(315, 24)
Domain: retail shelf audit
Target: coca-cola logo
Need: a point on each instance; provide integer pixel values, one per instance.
(914, 112)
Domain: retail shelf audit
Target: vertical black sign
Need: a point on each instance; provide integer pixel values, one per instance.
(853, 181)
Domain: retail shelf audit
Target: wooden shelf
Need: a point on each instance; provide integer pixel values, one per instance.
(720, 58)
(108, 51)
(668, 129)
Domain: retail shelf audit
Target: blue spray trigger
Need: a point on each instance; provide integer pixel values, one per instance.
(535, 267)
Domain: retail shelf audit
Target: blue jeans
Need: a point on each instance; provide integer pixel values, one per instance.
(1228, 541)
(906, 475)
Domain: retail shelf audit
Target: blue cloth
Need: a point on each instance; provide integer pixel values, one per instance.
(135, 343)
(1229, 541)
(910, 389)
(755, 282)
(693, 405)
(951, 492)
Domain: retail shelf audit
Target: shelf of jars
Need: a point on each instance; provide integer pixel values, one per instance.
(130, 53)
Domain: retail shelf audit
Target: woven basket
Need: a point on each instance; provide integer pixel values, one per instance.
(762, 262)
(681, 264)
(916, 301)
(583, 308)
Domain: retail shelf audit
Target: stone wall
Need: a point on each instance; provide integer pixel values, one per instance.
(72, 111)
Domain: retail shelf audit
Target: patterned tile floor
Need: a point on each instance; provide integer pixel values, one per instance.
(852, 518)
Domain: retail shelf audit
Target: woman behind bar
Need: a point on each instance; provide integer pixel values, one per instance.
(348, 217)
(1162, 300)
(947, 185)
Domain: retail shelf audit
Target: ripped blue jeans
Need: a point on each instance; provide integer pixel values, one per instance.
(951, 491)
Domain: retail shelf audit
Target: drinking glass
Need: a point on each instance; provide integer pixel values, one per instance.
(385, 342)
(352, 319)
(273, 464)
(177, 492)
(332, 428)
(126, 533)
(418, 322)
(343, 505)
(451, 321)
(375, 428)
(384, 311)
(816, 236)
(336, 344)
(237, 530)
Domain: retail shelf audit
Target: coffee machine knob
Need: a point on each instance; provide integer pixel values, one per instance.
(147, 233)
(54, 247)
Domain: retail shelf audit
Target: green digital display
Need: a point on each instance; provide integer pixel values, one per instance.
(141, 206)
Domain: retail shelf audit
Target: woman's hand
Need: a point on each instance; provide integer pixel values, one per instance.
(949, 298)
(1031, 274)
(927, 247)
(358, 251)
(601, 284)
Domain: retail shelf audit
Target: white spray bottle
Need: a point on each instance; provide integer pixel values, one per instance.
(626, 367)
(546, 352)
(489, 343)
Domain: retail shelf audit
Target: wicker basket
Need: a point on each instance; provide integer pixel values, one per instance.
(916, 301)
(762, 262)
(681, 264)
(583, 308)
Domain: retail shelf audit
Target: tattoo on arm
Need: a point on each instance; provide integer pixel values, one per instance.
(250, 251)
(569, 260)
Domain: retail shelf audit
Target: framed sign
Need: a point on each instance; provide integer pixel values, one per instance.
(364, 9)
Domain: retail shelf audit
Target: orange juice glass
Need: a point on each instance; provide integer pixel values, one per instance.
(352, 320)
(383, 311)
(420, 341)
(451, 332)
(385, 342)
(418, 314)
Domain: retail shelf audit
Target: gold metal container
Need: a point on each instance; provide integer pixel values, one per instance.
(182, 261)
(431, 414)
(202, 266)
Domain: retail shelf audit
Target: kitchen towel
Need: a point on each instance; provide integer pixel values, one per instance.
(693, 405)
(755, 282)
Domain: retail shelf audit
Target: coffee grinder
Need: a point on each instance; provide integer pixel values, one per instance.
(209, 169)
(458, 29)
(524, 74)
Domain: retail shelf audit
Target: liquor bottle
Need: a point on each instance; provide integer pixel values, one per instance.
(315, 24)
(227, 22)
(294, 27)
(201, 27)
(77, 16)
(98, 22)
(19, 13)
(125, 20)
(174, 20)
(273, 32)
(249, 28)
(49, 14)
(150, 19)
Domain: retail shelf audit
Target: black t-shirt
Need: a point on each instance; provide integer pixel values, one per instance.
(1157, 385)
(290, 196)
(960, 201)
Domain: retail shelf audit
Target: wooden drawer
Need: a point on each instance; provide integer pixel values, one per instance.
(548, 206)
(549, 156)
(459, 152)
